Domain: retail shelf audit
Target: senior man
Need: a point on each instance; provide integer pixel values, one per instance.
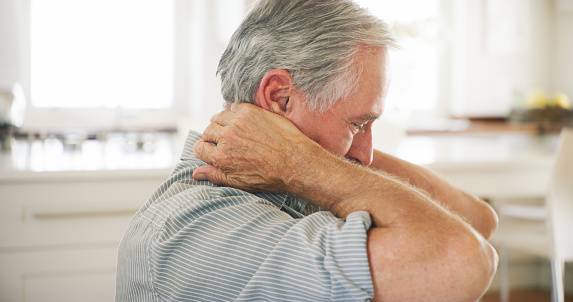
(294, 204)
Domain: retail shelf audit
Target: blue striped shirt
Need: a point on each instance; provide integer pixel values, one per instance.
(197, 241)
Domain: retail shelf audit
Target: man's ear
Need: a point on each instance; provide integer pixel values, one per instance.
(274, 91)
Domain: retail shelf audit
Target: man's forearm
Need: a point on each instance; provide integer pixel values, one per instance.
(343, 187)
(478, 213)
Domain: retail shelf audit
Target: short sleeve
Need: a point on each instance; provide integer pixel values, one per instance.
(319, 258)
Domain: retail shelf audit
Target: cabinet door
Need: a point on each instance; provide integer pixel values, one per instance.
(69, 213)
(60, 275)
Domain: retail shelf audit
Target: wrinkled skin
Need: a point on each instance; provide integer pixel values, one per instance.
(248, 139)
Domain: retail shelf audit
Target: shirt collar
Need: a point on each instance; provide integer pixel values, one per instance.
(187, 153)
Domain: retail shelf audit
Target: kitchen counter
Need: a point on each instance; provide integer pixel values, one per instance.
(488, 164)
(118, 155)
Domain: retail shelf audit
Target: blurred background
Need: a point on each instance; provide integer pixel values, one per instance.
(103, 65)
(96, 97)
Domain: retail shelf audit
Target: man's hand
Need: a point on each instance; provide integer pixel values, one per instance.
(253, 149)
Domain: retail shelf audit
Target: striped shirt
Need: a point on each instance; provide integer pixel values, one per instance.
(197, 241)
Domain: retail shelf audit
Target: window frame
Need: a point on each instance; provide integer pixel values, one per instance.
(38, 119)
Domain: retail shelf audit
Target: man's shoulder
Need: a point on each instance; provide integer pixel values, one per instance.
(182, 196)
(188, 199)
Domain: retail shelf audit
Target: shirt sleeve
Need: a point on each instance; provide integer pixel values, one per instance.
(320, 258)
(244, 249)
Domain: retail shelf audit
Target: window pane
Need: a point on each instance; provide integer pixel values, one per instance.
(102, 53)
(415, 66)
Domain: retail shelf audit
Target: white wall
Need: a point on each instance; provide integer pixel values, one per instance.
(502, 49)
(10, 44)
(563, 50)
(210, 25)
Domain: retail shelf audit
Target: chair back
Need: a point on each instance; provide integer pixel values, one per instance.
(559, 201)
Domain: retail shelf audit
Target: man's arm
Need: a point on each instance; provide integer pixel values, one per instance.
(475, 211)
(418, 250)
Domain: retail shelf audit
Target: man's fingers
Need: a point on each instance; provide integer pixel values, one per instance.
(226, 117)
(212, 174)
(204, 151)
(212, 133)
(206, 172)
(217, 118)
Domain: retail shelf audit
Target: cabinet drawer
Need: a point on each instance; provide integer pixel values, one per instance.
(69, 212)
(66, 275)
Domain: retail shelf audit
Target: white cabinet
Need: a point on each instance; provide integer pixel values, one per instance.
(59, 231)
(60, 274)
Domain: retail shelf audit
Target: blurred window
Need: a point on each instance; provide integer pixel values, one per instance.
(151, 63)
(415, 67)
(102, 53)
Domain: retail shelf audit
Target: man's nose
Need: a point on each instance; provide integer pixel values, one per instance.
(361, 148)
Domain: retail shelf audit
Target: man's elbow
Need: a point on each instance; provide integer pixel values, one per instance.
(478, 260)
(484, 218)
(490, 223)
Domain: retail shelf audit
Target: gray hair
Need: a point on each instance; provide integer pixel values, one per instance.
(315, 41)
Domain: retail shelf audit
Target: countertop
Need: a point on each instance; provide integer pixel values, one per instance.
(117, 155)
(486, 150)
(155, 155)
